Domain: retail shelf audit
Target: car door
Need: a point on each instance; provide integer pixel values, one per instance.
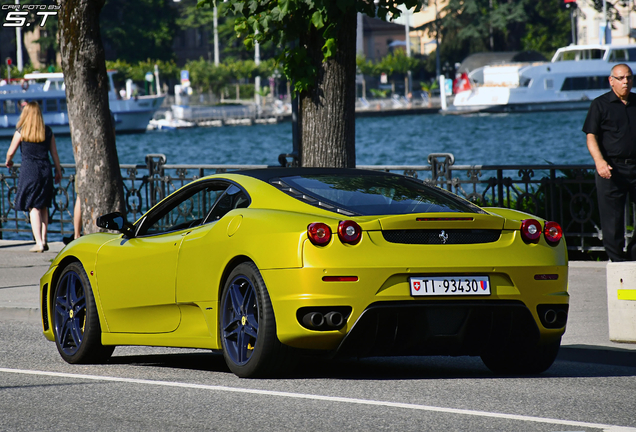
(204, 250)
(137, 276)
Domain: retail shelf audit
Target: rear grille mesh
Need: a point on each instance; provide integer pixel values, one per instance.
(438, 236)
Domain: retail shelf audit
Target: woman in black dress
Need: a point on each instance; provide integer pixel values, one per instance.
(35, 184)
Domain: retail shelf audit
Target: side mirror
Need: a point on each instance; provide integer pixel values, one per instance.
(116, 222)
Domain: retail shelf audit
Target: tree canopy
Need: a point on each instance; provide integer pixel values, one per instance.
(286, 22)
(138, 30)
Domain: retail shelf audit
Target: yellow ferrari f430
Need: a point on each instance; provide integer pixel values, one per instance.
(265, 264)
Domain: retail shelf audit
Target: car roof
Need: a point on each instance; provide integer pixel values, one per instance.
(268, 174)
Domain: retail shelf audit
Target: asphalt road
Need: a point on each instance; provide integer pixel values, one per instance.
(591, 386)
(169, 389)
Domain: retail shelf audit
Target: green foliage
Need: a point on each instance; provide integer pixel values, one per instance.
(379, 93)
(137, 72)
(396, 62)
(190, 16)
(15, 73)
(285, 22)
(429, 86)
(139, 29)
(540, 32)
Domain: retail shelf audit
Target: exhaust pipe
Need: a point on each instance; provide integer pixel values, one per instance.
(562, 316)
(334, 319)
(313, 320)
(550, 316)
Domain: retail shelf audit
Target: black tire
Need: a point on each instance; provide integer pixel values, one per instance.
(75, 320)
(524, 361)
(248, 326)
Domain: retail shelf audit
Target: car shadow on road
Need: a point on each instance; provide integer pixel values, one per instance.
(573, 361)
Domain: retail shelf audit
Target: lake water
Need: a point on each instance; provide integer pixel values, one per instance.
(491, 139)
(488, 139)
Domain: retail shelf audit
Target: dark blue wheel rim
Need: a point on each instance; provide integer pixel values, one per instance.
(70, 313)
(240, 320)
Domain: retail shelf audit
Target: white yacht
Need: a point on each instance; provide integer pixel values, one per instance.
(575, 76)
(131, 114)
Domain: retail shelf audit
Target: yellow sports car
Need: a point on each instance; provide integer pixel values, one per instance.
(266, 264)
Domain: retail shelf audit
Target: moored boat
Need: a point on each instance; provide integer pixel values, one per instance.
(575, 76)
(131, 114)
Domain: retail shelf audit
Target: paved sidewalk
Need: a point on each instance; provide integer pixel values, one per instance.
(586, 338)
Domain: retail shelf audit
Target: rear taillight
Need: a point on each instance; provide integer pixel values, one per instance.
(552, 233)
(531, 230)
(319, 233)
(349, 232)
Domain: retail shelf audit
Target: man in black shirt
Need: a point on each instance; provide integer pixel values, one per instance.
(611, 139)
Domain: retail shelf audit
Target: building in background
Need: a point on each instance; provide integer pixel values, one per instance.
(589, 23)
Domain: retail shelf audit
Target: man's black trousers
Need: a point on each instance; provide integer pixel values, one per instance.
(612, 195)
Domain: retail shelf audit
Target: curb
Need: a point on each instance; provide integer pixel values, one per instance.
(598, 355)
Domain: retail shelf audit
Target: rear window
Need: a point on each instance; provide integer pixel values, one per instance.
(379, 194)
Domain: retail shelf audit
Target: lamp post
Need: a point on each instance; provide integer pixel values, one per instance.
(437, 61)
(215, 21)
(605, 29)
(18, 41)
(409, 88)
(257, 79)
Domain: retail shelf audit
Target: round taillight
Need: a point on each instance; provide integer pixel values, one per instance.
(319, 233)
(531, 230)
(349, 232)
(552, 233)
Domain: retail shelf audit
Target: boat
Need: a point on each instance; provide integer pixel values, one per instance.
(132, 114)
(575, 76)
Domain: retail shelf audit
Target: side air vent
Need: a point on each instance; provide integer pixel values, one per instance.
(45, 307)
(438, 236)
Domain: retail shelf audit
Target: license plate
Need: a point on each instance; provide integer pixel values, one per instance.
(450, 286)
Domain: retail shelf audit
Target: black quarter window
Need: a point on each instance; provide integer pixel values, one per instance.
(233, 198)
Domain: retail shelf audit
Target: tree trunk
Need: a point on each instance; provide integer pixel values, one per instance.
(327, 110)
(98, 177)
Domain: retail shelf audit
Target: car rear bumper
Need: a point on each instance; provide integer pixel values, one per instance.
(380, 304)
(440, 328)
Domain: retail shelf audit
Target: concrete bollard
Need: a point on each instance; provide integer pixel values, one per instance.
(621, 301)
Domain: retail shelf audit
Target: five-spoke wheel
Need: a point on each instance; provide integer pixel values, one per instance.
(248, 326)
(70, 312)
(240, 319)
(76, 324)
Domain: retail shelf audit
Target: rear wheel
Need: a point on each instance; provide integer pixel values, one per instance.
(76, 323)
(522, 361)
(248, 327)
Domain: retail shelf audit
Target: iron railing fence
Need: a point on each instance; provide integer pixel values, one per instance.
(562, 193)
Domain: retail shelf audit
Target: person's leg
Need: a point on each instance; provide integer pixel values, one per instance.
(44, 217)
(36, 227)
(77, 217)
(611, 205)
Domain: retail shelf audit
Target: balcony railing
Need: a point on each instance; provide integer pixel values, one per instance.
(562, 193)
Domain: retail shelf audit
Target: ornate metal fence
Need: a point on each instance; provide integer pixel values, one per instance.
(563, 193)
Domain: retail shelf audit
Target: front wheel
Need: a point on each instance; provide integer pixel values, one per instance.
(248, 327)
(76, 323)
(517, 361)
